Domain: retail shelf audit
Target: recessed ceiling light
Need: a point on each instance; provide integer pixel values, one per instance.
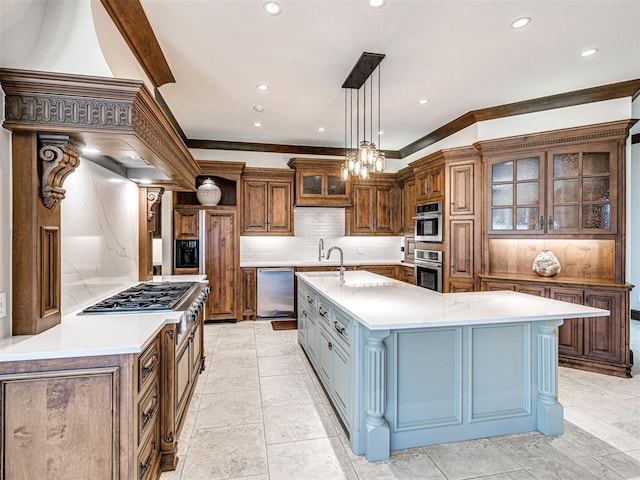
(520, 22)
(89, 150)
(272, 8)
(377, 3)
(258, 108)
(423, 101)
(257, 124)
(145, 181)
(135, 157)
(588, 52)
(321, 129)
(381, 132)
(262, 86)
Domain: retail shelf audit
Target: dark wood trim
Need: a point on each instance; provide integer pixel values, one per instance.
(567, 99)
(167, 111)
(635, 138)
(132, 22)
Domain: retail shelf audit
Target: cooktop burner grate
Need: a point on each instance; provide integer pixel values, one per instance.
(144, 297)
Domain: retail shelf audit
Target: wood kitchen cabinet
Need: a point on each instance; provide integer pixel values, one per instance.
(406, 274)
(376, 208)
(430, 182)
(568, 190)
(599, 344)
(185, 223)
(384, 270)
(222, 267)
(407, 181)
(248, 306)
(319, 183)
(462, 235)
(267, 207)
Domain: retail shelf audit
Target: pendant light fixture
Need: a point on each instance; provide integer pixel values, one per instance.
(362, 156)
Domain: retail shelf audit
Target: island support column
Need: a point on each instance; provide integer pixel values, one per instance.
(378, 434)
(550, 412)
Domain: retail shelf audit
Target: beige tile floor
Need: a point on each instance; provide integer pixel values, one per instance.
(259, 413)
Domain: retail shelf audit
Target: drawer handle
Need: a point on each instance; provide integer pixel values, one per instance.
(152, 365)
(340, 330)
(143, 468)
(309, 299)
(148, 415)
(330, 346)
(323, 312)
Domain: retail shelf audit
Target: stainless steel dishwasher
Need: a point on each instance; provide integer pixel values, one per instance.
(275, 292)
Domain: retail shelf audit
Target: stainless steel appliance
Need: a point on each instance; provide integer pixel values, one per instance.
(428, 222)
(428, 269)
(407, 249)
(152, 297)
(275, 292)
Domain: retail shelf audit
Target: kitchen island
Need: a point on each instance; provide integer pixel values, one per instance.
(405, 366)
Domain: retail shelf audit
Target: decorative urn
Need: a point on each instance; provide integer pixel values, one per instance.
(546, 264)
(209, 193)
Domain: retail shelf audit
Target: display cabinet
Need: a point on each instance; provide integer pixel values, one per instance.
(319, 183)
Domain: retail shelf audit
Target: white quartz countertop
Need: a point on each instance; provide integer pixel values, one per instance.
(90, 335)
(380, 303)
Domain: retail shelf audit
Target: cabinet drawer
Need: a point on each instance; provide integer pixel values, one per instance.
(148, 458)
(147, 410)
(148, 363)
(324, 311)
(341, 328)
(407, 275)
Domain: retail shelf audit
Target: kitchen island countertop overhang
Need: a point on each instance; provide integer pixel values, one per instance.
(405, 366)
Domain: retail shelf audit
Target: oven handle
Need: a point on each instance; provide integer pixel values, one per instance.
(419, 263)
(427, 216)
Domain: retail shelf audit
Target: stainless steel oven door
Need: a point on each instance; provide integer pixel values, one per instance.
(428, 228)
(428, 275)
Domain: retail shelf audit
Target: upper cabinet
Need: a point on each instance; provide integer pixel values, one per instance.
(430, 182)
(319, 183)
(376, 207)
(569, 190)
(267, 205)
(407, 182)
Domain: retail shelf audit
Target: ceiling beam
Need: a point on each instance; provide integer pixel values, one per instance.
(132, 22)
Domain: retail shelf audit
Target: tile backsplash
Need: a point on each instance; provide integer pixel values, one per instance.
(312, 224)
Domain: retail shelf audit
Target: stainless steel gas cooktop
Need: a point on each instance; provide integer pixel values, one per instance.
(145, 297)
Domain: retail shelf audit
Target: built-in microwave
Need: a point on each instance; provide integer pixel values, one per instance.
(428, 222)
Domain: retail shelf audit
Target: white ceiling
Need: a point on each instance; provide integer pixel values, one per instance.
(462, 55)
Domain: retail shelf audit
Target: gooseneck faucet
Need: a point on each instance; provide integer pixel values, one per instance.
(321, 250)
(341, 261)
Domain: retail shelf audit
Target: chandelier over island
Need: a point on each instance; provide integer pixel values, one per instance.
(362, 156)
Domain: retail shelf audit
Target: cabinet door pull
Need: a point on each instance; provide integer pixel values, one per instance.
(152, 365)
(551, 223)
(322, 312)
(339, 329)
(541, 221)
(330, 346)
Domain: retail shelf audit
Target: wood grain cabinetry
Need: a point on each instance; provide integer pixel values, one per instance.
(599, 344)
(430, 182)
(248, 306)
(319, 183)
(376, 208)
(406, 274)
(222, 256)
(407, 182)
(462, 219)
(267, 207)
(185, 223)
(384, 270)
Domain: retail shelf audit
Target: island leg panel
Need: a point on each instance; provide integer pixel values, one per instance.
(378, 433)
(550, 412)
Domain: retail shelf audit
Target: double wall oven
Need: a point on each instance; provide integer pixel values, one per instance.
(427, 265)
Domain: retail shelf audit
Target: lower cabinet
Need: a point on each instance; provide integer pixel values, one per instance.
(406, 274)
(599, 344)
(248, 300)
(325, 336)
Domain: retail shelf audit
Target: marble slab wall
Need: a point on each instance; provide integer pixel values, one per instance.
(99, 235)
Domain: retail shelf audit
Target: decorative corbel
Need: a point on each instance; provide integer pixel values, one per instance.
(154, 197)
(58, 156)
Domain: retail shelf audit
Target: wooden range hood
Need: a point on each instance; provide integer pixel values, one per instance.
(51, 116)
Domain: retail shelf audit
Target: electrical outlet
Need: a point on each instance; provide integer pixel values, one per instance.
(360, 251)
(3, 304)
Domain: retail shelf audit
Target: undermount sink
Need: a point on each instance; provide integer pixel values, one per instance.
(355, 278)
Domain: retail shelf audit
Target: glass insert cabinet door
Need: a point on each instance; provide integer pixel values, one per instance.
(516, 195)
(583, 190)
